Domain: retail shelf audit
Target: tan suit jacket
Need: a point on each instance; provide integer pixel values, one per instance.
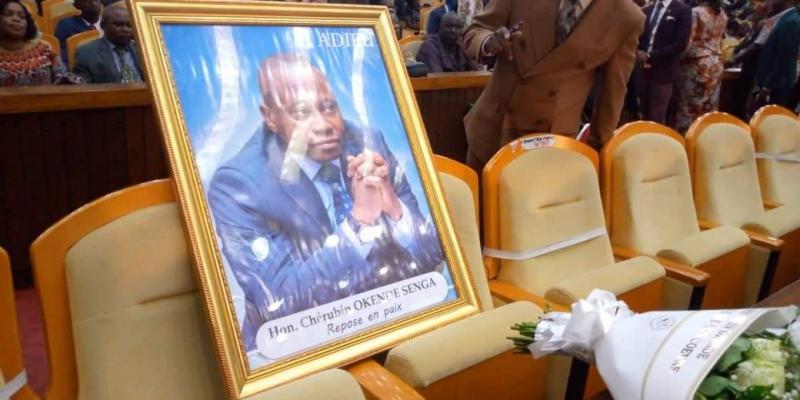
(544, 89)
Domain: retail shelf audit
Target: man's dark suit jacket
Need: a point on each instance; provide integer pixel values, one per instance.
(777, 66)
(94, 61)
(436, 55)
(68, 27)
(280, 244)
(672, 38)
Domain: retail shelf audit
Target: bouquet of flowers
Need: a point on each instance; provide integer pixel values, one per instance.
(712, 354)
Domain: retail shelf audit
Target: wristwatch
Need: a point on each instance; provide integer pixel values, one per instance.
(365, 233)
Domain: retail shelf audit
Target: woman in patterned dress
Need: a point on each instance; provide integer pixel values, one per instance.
(701, 67)
(25, 59)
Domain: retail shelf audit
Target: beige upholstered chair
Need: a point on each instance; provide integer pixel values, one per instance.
(411, 45)
(776, 133)
(726, 192)
(11, 363)
(541, 192)
(124, 320)
(472, 358)
(647, 194)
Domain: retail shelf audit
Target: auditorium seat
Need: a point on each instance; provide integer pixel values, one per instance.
(647, 197)
(76, 40)
(122, 315)
(11, 362)
(727, 192)
(411, 45)
(471, 358)
(776, 133)
(52, 41)
(541, 195)
(55, 10)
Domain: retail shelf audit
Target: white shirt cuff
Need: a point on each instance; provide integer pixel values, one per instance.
(403, 229)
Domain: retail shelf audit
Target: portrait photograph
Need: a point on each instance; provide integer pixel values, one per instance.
(305, 159)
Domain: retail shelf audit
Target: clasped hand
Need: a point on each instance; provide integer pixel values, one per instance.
(373, 194)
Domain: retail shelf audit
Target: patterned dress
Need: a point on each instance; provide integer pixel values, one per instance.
(701, 67)
(34, 64)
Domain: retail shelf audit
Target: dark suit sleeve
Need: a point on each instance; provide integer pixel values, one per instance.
(774, 70)
(675, 49)
(429, 55)
(83, 63)
(279, 271)
(616, 73)
(63, 31)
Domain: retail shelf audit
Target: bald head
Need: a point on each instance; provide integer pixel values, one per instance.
(297, 100)
(116, 24)
(451, 28)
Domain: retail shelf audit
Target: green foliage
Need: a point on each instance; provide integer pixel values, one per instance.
(734, 355)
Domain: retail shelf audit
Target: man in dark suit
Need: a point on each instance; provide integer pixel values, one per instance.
(665, 37)
(777, 63)
(435, 17)
(88, 20)
(112, 58)
(314, 208)
(443, 51)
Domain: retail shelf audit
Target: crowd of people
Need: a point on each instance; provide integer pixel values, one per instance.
(681, 56)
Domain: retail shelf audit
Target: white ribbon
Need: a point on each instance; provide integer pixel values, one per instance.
(777, 157)
(577, 333)
(13, 386)
(540, 251)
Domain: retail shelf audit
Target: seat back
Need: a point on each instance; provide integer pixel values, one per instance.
(460, 184)
(411, 45)
(647, 190)
(121, 312)
(75, 41)
(58, 12)
(52, 41)
(723, 167)
(776, 132)
(540, 190)
(11, 362)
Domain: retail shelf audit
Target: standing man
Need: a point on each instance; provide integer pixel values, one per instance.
(549, 54)
(89, 19)
(112, 58)
(777, 63)
(665, 37)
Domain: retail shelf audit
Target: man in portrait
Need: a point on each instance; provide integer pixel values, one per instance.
(314, 208)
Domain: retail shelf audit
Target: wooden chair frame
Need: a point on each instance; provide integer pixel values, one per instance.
(11, 360)
(53, 41)
(774, 245)
(47, 255)
(716, 293)
(75, 41)
(757, 119)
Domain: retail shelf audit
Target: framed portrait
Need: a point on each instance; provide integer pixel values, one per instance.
(315, 216)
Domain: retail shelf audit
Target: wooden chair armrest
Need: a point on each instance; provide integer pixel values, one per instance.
(706, 225)
(511, 293)
(766, 241)
(769, 204)
(674, 270)
(379, 383)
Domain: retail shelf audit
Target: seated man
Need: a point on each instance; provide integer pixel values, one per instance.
(112, 58)
(314, 208)
(442, 52)
(89, 19)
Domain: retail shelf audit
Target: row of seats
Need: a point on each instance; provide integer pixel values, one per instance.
(123, 318)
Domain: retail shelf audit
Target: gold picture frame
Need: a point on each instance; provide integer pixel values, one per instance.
(200, 60)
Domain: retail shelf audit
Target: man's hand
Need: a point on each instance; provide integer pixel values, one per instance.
(372, 191)
(499, 43)
(642, 56)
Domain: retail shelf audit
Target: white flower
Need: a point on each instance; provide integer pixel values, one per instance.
(760, 372)
(767, 350)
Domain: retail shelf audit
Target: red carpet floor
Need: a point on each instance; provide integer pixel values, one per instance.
(32, 334)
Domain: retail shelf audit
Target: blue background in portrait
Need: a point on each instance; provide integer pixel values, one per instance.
(215, 69)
